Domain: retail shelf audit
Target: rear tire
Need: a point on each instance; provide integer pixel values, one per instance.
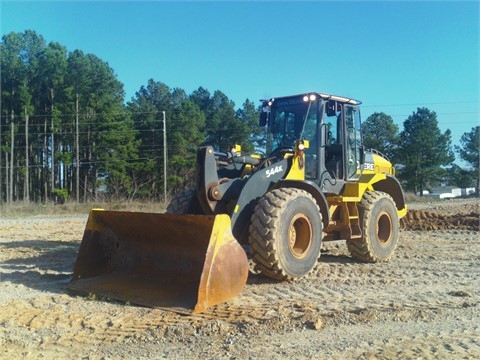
(286, 234)
(380, 224)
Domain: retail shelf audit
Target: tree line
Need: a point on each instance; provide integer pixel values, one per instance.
(67, 133)
(425, 155)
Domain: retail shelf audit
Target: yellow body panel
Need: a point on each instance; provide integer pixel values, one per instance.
(354, 190)
(382, 165)
(297, 171)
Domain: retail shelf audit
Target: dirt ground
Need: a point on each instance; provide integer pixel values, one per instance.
(423, 304)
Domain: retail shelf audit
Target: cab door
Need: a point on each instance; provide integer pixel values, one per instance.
(353, 142)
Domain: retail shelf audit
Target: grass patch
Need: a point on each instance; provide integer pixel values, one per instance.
(411, 197)
(71, 208)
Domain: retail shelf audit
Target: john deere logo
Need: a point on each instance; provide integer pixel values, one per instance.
(368, 166)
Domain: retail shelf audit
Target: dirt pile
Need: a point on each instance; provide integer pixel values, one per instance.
(459, 217)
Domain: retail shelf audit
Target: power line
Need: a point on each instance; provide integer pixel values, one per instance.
(156, 112)
(48, 166)
(446, 113)
(433, 103)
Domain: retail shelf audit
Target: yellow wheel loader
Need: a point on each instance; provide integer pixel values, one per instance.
(317, 183)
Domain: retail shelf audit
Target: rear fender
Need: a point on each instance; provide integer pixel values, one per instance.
(391, 186)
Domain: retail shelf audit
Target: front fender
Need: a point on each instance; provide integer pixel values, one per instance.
(313, 190)
(255, 186)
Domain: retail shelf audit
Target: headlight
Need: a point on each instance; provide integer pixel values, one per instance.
(310, 97)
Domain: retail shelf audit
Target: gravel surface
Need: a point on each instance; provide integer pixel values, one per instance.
(423, 304)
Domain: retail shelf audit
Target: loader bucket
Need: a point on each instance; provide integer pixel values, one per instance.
(185, 263)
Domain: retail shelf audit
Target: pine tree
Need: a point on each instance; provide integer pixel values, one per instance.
(423, 149)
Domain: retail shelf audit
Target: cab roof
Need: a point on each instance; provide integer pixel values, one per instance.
(323, 96)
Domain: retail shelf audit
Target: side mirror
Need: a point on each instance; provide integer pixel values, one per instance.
(331, 108)
(263, 119)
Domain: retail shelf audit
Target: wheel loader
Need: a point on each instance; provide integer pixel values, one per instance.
(267, 213)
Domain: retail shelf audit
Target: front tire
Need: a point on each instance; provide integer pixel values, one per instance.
(182, 203)
(286, 234)
(380, 224)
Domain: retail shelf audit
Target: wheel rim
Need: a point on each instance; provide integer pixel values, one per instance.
(384, 229)
(300, 236)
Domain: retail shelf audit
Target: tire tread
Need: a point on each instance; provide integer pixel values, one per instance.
(262, 237)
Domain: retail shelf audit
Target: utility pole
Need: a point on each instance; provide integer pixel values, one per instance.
(12, 147)
(1, 178)
(52, 136)
(27, 174)
(164, 157)
(77, 152)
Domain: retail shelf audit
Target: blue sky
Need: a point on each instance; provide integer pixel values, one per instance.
(394, 56)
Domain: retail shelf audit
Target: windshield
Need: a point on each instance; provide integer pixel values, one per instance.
(291, 119)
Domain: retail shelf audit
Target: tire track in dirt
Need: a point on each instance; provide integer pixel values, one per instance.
(422, 304)
(61, 320)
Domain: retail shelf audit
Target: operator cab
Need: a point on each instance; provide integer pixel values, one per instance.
(329, 126)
